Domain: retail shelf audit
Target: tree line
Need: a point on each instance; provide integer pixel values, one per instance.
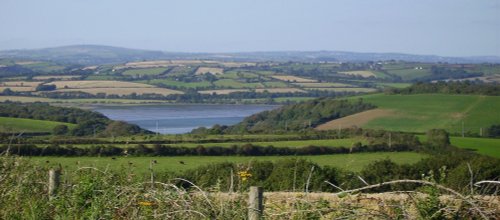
(465, 87)
(200, 150)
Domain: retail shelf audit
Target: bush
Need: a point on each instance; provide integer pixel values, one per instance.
(60, 130)
(282, 175)
(493, 131)
(438, 138)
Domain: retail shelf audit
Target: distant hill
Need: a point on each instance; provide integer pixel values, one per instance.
(90, 54)
(96, 54)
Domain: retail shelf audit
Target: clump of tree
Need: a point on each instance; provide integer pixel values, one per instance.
(438, 138)
(493, 131)
(296, 117)
(87, 122)
(60, 130)
(45, 87)
(121, 128)
(465, 87)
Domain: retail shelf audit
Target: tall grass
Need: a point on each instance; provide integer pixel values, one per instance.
(91, 193)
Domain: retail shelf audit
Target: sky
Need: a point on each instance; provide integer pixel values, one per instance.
(437, 27)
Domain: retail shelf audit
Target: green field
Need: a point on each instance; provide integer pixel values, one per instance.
(394, 85)
(419, 113)
(348, 142)
(485, 146)
(180, 84)
(28, 125)
(354, 162)
(144, 72)
(234, 84)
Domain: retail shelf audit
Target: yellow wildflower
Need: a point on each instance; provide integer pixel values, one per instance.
(145, 203)
(244, 175)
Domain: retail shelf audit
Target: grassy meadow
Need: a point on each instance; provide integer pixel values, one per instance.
(143, 72)
(485, 146)
(28, 125)
(353, 162)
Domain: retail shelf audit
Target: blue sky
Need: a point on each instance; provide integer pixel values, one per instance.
(443, 27)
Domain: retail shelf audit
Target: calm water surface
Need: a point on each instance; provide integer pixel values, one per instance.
(181, 118)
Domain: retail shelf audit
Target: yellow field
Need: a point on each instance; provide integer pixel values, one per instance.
(17, 88)
(211, 70)
(222, 91)
(323, 85)
(98, 84)
(90, 68)
(122, 91)
(19, 84)
(55, 77)
(24, 99)
(359, 73)
(356, 120)
(289, 78)
(345, 89)
(26, 62)
(270, 90)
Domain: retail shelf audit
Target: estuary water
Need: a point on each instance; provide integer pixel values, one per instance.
(180, 118)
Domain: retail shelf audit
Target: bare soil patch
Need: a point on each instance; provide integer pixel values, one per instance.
(363, 73)
(357, 120)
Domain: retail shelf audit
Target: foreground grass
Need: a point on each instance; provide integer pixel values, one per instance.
(353, 162)
(88, 193)
(28, 125)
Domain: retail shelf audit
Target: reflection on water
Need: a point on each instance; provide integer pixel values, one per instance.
(181, 118)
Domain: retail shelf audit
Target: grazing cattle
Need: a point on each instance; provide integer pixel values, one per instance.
(182, 162)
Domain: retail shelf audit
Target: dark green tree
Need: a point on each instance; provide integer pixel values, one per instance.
(60, 130)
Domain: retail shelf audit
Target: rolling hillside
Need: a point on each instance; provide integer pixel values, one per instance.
(421, 112)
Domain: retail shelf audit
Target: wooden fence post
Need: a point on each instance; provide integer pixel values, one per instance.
(54, 181)
(255, 203)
